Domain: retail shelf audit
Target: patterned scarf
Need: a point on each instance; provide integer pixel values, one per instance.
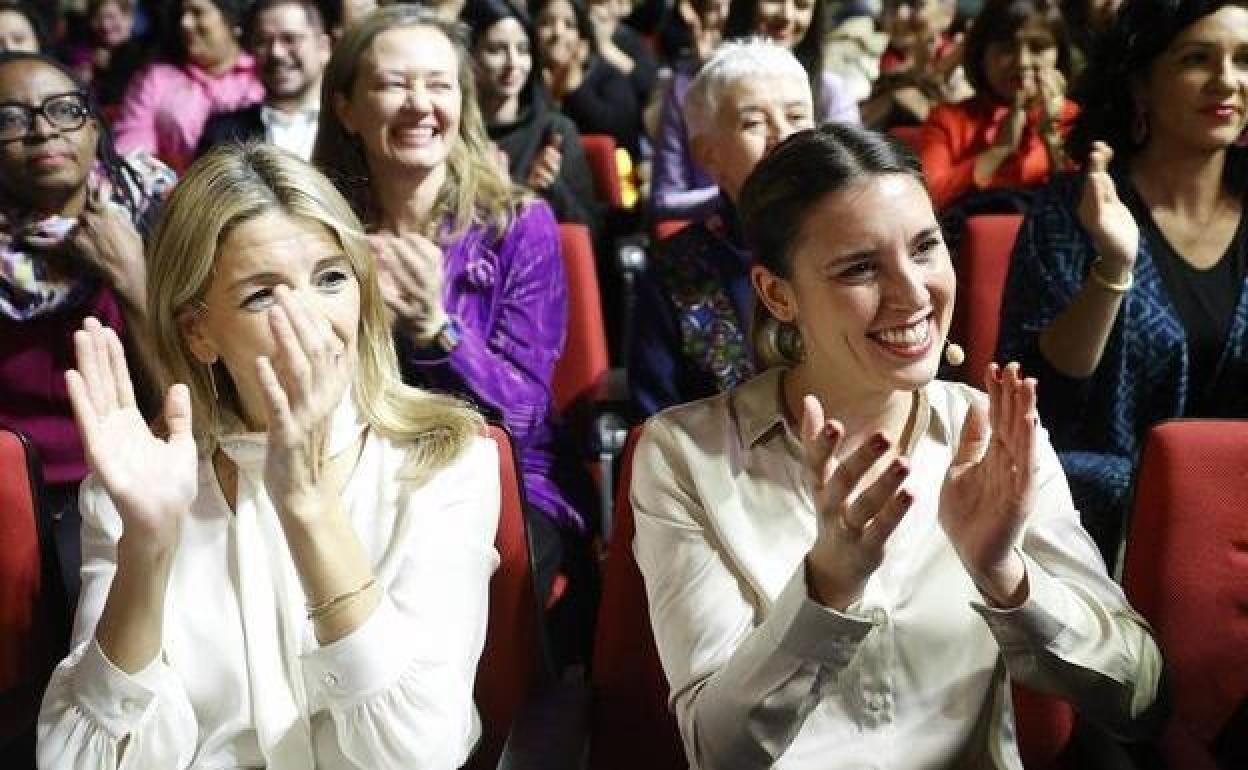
(31, 285)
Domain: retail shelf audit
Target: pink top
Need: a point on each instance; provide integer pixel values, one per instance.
(167, 105)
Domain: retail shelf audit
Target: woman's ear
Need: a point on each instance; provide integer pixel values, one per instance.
(775, 293)
(191, 324)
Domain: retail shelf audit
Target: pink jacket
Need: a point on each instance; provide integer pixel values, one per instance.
(167, 105)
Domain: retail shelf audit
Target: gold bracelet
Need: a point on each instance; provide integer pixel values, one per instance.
(1099, 278)
(316, 611)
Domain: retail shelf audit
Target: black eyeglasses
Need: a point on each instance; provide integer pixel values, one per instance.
(65, 112)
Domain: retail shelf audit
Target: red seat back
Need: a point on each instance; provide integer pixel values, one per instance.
(600, 154)
(982, 267)
(1186, 570)
(631, 725)
(34, 621)
(666, 228)
(512, 663)
(581, 372)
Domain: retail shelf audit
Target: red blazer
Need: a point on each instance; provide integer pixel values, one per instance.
(955, 134)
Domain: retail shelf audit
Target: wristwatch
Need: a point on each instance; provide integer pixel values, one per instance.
(447, 338)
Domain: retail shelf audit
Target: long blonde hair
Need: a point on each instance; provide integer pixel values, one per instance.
(476, 191)
(238, 183)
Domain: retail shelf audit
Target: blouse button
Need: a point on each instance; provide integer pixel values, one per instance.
(331, 679)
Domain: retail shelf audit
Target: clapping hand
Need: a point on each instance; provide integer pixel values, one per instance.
(858, 504)
(545, 168)
(152, 481)
(1114, 231)
(990, 488)
(411, 273)
(303, 382)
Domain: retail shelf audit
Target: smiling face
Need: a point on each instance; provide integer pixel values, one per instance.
(206, 35)
(255, 258)
(48, 168)
(503, 59)
(784, 21)
(558, 35)
(111, 24)
(1196, 93)
(754, 114)
(1010, 63)
(406, 102)
(16, 33)
(871, 287)
(290, 52)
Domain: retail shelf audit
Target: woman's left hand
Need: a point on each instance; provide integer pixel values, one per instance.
(109, 242)
(411, 274)
(303, 383)
(990, 487)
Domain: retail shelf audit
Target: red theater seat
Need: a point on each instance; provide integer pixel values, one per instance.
(982, 267)
(1186, 570)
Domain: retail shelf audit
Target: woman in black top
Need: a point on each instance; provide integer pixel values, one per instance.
(597, 97)
(1126, 294)
(543, 147)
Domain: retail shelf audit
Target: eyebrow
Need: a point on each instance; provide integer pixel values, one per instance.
(926, 233)
(268, 276)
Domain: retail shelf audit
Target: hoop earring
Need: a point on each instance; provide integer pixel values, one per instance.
(779, 342)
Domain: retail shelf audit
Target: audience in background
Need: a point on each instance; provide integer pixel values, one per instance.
(922, 66)
(622, 47)
(597, 97)
(798, 25)
(1011, 133)
(249, 572)
(201, 70)
(843, 549)
(1127, 292)
(21, 28)
(692, 338)
(110, 24)
(679, 187)
(470, 265)
(542, 146)
(71, 213)
(289, 41)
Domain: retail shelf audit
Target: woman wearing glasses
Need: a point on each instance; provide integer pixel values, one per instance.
(71, 213)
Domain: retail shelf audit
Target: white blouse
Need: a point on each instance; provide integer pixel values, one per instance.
(913, 675)
(241, 680)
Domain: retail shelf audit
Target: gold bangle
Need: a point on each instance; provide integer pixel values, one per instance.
(1121, 287)
(316, 611)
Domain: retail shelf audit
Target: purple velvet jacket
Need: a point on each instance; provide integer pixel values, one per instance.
(508, 294)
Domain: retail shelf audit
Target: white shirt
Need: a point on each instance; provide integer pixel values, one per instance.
(394, 693)
(292, 131)
(913, 675)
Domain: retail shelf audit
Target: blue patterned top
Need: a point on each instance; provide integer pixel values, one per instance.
(1098, 424)
(693, 316)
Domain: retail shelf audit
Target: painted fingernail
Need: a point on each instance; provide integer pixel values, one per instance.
(905, 497)
(879, 442)
(899, 469)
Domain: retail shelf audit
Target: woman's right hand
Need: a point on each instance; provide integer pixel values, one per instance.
(1113, 228)
(152, 481)
(858, 504)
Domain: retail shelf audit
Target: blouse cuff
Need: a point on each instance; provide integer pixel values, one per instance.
(364, 661)
(116, 700)
(1037, 622)
(809, 631)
